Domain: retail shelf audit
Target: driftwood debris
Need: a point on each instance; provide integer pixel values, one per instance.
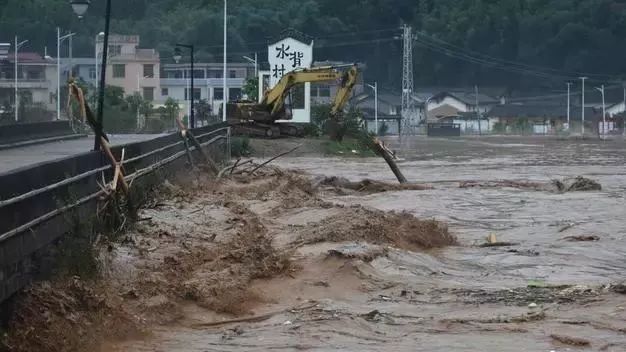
(380, 149)
(276, 157)
(569, 340)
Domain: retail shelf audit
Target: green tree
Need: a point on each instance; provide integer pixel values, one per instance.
(203, 110)
(251, 88)
(170, 111)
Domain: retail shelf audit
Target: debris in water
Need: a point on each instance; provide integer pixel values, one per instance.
(581, 184)
(582, 238)
(369, 186)
(577, 184)
(572, 341)
(363, 251)
(499, 244)
(619, 288)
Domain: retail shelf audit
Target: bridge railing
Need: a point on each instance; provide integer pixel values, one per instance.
(36, 201)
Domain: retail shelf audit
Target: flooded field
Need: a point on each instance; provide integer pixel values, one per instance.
(282, 261)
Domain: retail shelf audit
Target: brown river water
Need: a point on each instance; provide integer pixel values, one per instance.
(465, 297)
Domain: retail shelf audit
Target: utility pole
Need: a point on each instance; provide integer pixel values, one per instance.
(624, 115)
(569, 84)
(225, 88)
(408, 110)
(71, 73)
(480, 132)
(17, 102)
(375, 88)
(58, 73)
(583, 106)
(601, 90)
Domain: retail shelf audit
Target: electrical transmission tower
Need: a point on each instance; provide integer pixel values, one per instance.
(409, 112)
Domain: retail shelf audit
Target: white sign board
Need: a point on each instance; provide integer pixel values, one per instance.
(288, 55)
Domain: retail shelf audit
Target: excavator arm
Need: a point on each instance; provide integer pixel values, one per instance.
(275, 97)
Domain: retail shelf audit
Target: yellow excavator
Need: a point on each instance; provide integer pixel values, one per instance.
(261, 118)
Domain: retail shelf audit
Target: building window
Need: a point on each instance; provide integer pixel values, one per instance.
(115, 50)
(232, 74)
(234, 94)
(148, 71)
(197, 94)
(218, 93)
(165, 92)
(119, 71)
(148, 93)
(174, 74)
(323, 91)
(215, 74)
(198, 73)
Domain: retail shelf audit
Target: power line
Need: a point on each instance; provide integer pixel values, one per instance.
(337, 35)
(504, 61)
(467, 58)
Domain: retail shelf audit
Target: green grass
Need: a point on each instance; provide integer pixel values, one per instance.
(347, 148)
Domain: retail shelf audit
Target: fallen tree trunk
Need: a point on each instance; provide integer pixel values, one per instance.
(383, 151)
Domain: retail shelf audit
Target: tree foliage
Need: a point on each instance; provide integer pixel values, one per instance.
(566, 35)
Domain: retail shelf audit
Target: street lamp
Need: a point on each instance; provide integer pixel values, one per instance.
(375, 88)
(80, 8)
(17, 47)
(255, 62)
(60, 40)
(177, 57)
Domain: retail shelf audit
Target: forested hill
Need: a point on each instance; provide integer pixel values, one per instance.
(508, 42)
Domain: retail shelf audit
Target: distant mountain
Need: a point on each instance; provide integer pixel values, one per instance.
(458, 42)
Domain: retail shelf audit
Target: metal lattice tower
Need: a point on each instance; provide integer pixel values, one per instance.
(409, 113)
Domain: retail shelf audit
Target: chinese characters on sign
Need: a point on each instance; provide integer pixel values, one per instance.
(288, 55)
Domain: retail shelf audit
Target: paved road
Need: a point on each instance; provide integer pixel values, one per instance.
(14, 158)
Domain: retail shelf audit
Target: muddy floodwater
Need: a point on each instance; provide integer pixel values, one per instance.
(547, 290)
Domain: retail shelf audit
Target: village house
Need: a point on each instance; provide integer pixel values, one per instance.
(461, 108)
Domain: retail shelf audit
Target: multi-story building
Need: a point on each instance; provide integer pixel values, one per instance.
(36, 77)
(132, 68)
(208, 82)
(82, 68)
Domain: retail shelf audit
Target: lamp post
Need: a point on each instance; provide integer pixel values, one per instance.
(583, 105)
(17, 47)
(177, 56)
(255, 62)
(601, 90)
(60, 40)
(80, 8)
(96, 56)
(375, 88)
(569, 84)
(225, 89)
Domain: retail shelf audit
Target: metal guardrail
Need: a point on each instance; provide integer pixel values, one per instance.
(35, 218)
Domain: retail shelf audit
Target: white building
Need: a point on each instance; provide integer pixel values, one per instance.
(175, 82)
(37, 80)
